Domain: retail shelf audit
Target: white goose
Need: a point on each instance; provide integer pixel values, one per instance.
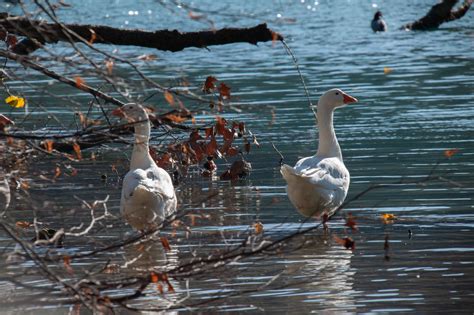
(318, 184)
(148, 194)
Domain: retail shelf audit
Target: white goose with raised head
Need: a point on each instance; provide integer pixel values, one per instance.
(148, 195)
(318, 184)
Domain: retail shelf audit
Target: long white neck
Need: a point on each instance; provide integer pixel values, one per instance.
(328, 145)
(141, 155)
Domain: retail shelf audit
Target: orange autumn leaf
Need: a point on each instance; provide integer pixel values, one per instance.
(228, 134)
(387, 70)
(25, 185)
(67, 264)
(169, 98)
(232, 151)
(388, 218)
(165, 243)
(175, 118)
(93, 36)
(209, 85)
(79, 82)
(211, 147)
(48, 145)
(159, 287)
(11, 40)
(220, 125)
(77, 150)
(57, 172)
(23, 224)
(209, 131)
(224, 91)
(450, 153)
(350, 222)
(258, 226)
(154, 277)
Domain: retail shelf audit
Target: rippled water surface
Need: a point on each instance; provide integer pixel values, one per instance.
(404, 121)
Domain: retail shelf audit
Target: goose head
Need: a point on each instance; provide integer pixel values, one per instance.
(335, 98)
(132, 112)
(378, 15)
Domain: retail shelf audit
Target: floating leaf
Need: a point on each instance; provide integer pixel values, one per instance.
(15, 101)
(450, 153)
(387, 70)
(388, 218)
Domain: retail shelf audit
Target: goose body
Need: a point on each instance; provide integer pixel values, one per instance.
(318, 184)
(148, 195)
(378, 24)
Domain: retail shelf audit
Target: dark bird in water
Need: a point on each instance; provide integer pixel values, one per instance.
(378, 24)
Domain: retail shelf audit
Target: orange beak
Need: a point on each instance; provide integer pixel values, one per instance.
(349, 99)
(118, 112)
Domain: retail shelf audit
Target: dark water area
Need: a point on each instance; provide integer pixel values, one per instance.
(415, 92)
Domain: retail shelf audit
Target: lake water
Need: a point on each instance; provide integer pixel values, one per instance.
(406, 118)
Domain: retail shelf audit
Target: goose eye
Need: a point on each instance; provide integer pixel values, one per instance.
(337, 93)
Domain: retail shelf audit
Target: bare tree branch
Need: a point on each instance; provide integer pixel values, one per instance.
(161, 39)
(438, 14)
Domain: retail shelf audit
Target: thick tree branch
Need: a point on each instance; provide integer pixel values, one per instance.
(438, 14)
(162, 39)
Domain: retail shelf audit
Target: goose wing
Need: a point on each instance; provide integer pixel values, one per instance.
(153, 179)
(328, 173)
